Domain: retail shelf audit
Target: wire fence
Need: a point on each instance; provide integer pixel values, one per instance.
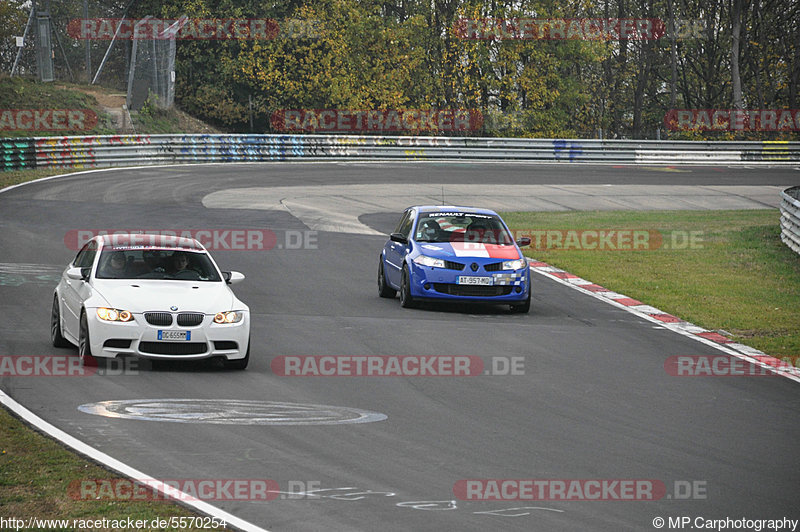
(152, 68)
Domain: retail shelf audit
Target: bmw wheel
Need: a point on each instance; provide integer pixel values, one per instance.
(240, 363)
(56, 337)
(84, 345)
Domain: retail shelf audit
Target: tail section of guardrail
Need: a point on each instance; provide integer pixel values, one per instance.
(17, 153)
(790, 218)
(133, 150)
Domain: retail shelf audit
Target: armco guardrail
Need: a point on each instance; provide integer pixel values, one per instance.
(17, 153)
(790, 218)
(115, 150)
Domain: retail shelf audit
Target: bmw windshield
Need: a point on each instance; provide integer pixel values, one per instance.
(147, 263)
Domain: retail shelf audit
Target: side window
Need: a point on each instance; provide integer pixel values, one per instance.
(402, 222)
(404, 227)
(85, 257)
(80, 255)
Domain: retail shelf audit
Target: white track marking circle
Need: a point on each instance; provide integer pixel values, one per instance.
(230, 412)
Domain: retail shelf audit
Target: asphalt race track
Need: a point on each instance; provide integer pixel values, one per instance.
(593, 402)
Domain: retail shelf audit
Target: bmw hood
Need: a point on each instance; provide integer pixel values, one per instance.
(145, 295)
(450, 250)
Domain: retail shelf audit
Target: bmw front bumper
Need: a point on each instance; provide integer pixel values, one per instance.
(137, 337)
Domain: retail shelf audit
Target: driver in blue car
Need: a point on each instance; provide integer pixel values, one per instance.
(429, 231)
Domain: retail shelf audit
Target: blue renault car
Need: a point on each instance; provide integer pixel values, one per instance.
(457, 254)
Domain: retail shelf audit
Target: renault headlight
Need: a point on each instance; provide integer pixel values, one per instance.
(514, 264)
(429, 261)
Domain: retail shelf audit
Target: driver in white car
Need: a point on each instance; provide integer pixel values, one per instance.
(116, 266)
(180, 262)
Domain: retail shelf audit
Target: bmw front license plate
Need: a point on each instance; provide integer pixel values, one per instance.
(175, 335)
(483, 281)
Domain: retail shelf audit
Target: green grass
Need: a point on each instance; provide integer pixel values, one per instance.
(35, 477)
(36, 472)
(157, 121)
(15, 177)
(153, 120)
(24, 93)
(739, 278)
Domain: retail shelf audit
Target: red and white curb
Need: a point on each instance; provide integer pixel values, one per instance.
(668, 321)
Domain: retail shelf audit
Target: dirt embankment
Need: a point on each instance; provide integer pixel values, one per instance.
(113, 101)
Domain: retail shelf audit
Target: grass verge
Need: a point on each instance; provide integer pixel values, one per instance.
(25, 93)
(36, 472)
(737, 276)
(15, 177)
(38, 478)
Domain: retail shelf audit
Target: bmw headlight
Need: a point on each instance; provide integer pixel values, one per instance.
(514, 264)
(113, 314)
(429, 261)
(228, 317)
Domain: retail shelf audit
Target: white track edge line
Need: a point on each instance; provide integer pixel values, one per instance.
(124, 469)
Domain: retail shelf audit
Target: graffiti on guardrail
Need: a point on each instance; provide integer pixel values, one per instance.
(17, 153)
(562, 149)
(118, 150)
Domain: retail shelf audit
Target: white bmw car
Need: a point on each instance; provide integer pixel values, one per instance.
(150, 296)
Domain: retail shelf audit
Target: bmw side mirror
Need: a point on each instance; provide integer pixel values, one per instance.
(78, 274)
(524, 242)
(233, 277)
(398, 237)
